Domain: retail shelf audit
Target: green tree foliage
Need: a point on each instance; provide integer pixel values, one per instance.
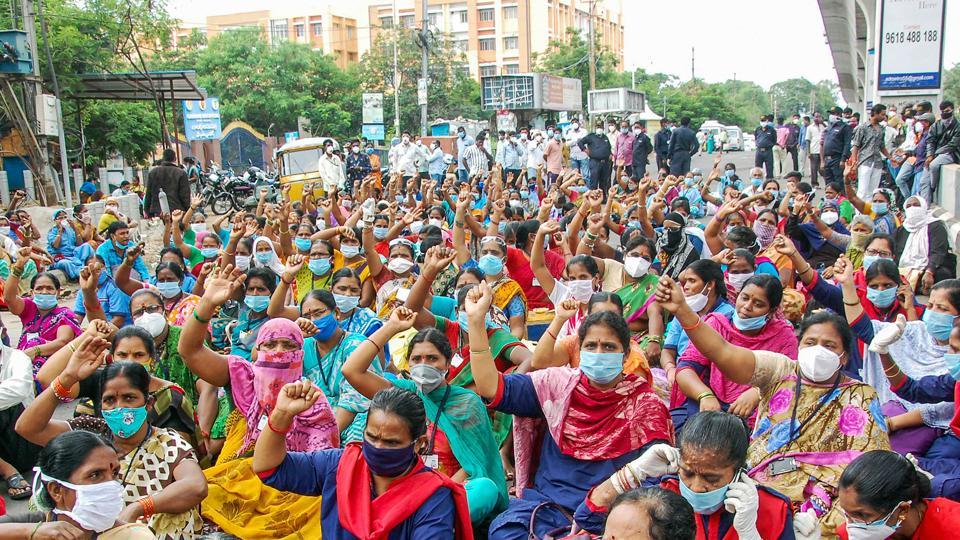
(951, 83)
(800, 95)
(570, 57)
(451, 91)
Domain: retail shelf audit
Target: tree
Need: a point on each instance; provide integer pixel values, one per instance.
(570, 56)
(951, 83)
(802, 96)
(451, 91)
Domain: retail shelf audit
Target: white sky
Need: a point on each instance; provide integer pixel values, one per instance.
(726, 35)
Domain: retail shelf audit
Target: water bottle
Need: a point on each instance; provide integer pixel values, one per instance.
(164, 204)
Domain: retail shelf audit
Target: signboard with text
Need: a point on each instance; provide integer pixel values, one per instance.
(560, 93)
(372, 108)
(911, 45)
(201, 119)
(373, 132)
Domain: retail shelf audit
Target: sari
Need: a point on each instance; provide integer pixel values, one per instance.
(178, 312)
(588, 423)
(464, 421)
(237, 500)
(388, 290)
(504, 291)
(325, 372)
(833, 426)
(41, 329)
(637, 296)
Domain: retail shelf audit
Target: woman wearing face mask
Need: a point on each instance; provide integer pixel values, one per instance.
(160, 479)
(507, 294)
(884, 495)
(582, 279)
(674, 249)
(879, 209)
(312, 272)
(175, 256)
(111, 215)
(589, 433)
(708, 470)
(393, 280)
(239, 250)
(766, 227)
(238, 502)
(47, 327)
(741, 266)
(265, 256)
(382, 476)
(565, 351)
(258, 288)
(460, 440)
(795, 447)
(114, 251)
(69, 251)
(209, 246)
(921, 247)
(80, 495)
(177, 305)
(639, 282)
(755, 325)
(806, 225)
(833, 194)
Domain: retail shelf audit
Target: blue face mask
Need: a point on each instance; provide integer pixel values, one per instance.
(601, 368)
(729, 173)
(326, 326)
(704, 503)
(752, 323)
(952, 360)
(264, 257)
(319, 267)
(524, 195)
(380, 232)
(502, 227)
(880, 208)
(257, 303)
(756, 182)
(125, 422)
(210, 252)
(349, 251)
(688, 182)
(938, 324)
(369, 151)
(168, 289)
(882, 299)
(491, 265)
(346, 303)
(634, 224)
(464, 323)
(45, 301)
(868, 260)
(303, 244)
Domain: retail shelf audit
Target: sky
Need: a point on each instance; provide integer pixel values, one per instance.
(660, 35)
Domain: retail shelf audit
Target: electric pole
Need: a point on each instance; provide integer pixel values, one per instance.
(33, 90)
(396, 74)
(592, 53)
(693, 63)
(424, 82)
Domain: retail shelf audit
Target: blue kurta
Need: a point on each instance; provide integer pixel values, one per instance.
(315, 473)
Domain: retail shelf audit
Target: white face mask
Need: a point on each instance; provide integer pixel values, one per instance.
(400, 265)
(698, 301)
(918, 127)
(737, 280)
(818, 363)
(406, 140)
(575, 126)
(635, 266)
(580, 289)
(829, 217)
(242, 262)
(435, 222)
(97, 506)
(878, 530)
(198, 227)
(415, 227)
(151, 322)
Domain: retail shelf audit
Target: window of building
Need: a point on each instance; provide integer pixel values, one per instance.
(299, 30)
(352, 57)
(278, 30)
(512, 42)
(485, 14)
(460, 45)
(461, 16)
(487, 44)
(350, 31)
(316, 29)
(386, 21)
(407, 21)
(511, 69)
(488, 71)
(510, 12)
(435, 20)
(465, 71)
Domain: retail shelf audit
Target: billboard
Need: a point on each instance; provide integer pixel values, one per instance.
(911, 45)
(201, 119)
(560, 93)
(372, 108)
(373, 132)
(530, 91)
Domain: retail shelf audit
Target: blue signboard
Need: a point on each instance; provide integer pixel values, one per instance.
(201, 119)
(373, 132)
(291, 136)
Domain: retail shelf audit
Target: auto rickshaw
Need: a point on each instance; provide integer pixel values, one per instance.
(299, 161)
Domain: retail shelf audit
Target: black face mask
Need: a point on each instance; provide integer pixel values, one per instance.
(946, 115)
(674, 236)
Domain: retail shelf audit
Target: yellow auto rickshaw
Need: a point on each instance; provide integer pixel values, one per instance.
(299, 162)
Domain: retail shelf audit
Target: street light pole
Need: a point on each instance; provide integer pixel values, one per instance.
(396, 75)
(424, 70)
(592, 53)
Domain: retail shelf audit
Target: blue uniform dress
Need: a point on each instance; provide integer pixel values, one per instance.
(315, 473)
(114, 301)
(111, 260)
(559, 478)
(74, 256)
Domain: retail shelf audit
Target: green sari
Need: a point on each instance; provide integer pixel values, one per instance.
(465, 422)
(635, 298)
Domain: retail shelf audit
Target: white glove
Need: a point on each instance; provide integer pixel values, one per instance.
(806, 526)
(658, 460)
(744, 501)
(369, 206)
(888, 335)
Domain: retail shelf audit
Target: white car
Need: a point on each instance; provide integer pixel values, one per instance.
(749, 143)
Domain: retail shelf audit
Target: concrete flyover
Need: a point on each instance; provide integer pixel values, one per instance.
(849, 26)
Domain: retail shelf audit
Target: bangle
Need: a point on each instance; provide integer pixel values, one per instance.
(590, 235)
(62, 392)
(549, 333)
(688, 328)
(855, 303)
(199, 319)
(705, 394)
(148, 507)
(805, 270)
(895, 366)
(278, 431)
(17, 272)
(72, 347)
(655, 339)
(484, 351)
(374, 343)
(35, 529)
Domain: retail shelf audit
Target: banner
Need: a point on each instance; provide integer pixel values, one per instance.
(372, 108)
(372, 132)
(201, 119)
(911, 44)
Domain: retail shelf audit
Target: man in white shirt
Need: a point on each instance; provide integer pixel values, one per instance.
(16, 392)
(578, 158)
(407, 153)
(535, 156)
(331, 170)
(813, 137)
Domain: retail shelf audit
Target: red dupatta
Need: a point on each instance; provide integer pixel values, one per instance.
(374, 519)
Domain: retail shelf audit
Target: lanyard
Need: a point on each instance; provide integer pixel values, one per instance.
(135, 452)
(320, 357)
(796, 402)
(436, 420)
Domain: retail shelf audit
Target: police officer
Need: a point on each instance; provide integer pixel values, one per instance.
(836, 146)
(661, 144)
(642, 146)
(683, 145)
(766, 138)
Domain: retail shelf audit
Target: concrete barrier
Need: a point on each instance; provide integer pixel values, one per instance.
(946, 204)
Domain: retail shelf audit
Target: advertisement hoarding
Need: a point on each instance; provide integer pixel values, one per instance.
(911, 45)
(201, 119)
(372, 108)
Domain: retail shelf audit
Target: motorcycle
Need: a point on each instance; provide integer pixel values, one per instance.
(214, 191)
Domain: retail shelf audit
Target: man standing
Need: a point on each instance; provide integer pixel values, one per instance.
(766, 138)
(623, 149)
(172, 180)
(553, 157)
(943, 148)
(793, 140)
(597, 147)
(463, 141)
(835, 146)
(804, 144)
(612, 133)
(780, 149)
(358, 166)
(683, 146)
(193, 171)
(814, 134)
(331, 170)
(661, 144)
(512, 154)
(641, 150)
(578, 159)
(475, 159)
(869, 150)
